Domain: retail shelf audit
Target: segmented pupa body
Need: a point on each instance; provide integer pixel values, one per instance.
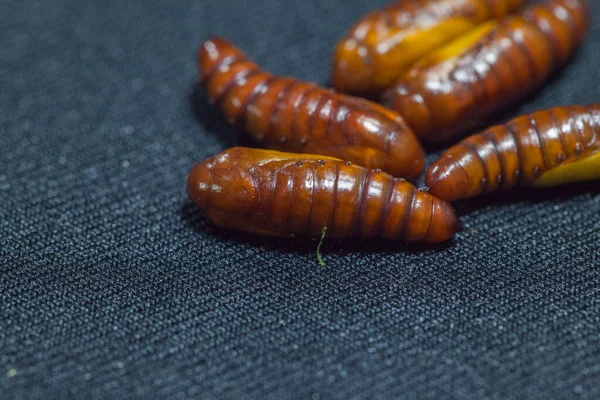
(455, 88)
(289, 115)
(383, 44)
(545, 148)
(273, 193)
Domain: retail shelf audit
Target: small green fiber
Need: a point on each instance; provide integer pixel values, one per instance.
(319, 259)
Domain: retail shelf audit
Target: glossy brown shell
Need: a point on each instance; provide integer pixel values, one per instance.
(289, 115)
(444, 100)
(272, 193)
(517, 153)
(382, 44)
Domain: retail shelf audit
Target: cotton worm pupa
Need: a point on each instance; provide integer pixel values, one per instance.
(545, 148)
(272, 193)
(488, 69)
(288, 115)
(385, 43)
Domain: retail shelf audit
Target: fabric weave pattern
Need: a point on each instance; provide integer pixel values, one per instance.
(113, 285)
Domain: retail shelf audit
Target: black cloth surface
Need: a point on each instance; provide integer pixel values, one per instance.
(112, 285)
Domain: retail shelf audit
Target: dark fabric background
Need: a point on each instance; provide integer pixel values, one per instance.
(113, 286)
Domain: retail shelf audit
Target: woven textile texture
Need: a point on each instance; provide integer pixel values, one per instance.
(112, 285)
